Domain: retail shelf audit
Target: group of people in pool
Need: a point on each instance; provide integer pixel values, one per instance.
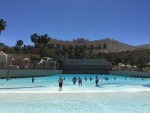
(79, 79)
(75, 79)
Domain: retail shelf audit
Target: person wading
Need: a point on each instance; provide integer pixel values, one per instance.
(60, 81)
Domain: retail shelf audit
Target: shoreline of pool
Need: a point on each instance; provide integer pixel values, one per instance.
(71, 92)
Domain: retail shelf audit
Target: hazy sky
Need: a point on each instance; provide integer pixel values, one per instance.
(127, 21)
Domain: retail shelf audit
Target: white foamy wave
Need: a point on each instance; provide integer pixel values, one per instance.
(86, 91)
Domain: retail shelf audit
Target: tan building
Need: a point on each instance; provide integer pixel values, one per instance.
(103, 45)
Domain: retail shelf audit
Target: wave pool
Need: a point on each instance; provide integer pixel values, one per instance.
(119, 94)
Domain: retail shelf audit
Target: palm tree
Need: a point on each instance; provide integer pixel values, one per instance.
(99, 46)
(57, 51)
(91, 48)
(50, 46)
(76, 51)
(40, 40)
(18, 45)
(2, 25)
(64, 50)
(82, 51)
(24, 49)
(27, 49)
(84, 47)
(104, 46)
(45, 39)
(58, 46)
(70, 51)
(70, 47)
(34, 37)
(147, 52)
(43, 44)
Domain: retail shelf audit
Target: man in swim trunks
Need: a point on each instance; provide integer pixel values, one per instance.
(80, 81)
(60, 81)
(74, 80)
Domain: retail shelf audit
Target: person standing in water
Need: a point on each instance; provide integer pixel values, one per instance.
(60, 81)
(80, 81)
(85, 78)
(96, 80)
(114, 78)
(32, 79)
(90, 78)
(74, 80)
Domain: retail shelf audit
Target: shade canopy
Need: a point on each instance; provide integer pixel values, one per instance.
(42, 61)
(26, 59)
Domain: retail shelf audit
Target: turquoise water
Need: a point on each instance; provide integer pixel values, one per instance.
(50, 83)
(76, 103)
(130, 95)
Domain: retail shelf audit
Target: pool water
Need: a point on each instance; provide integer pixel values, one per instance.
(76, 103)
(120, 95)
(50, 84)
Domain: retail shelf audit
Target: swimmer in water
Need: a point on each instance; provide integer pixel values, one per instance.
(60, 81)
(74, 80)
(114, 78)
(85, 78)
(80, 81)
(90, 78)
(96, 80)
(32, 79)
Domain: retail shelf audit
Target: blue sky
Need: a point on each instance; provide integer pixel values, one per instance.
(127, 21)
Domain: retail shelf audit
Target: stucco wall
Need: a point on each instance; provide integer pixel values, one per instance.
(112, 45)
(28, 73)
